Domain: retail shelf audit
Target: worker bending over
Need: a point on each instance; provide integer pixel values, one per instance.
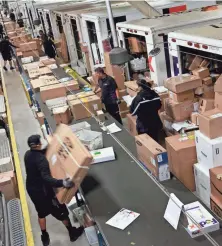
(145, 106)
(110, 93)
(6, 50)
(40, 184)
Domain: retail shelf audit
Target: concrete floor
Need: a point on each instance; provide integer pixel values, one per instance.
(25, 125)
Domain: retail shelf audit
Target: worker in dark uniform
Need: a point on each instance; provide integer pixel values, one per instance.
(12, 15)
(49, 46)
(145, 106)
(110, 93)
(20, 20)
(40, 184)
(6, 50)
(1, 31)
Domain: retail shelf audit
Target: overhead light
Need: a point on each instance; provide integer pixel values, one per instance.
(37, 22)
(119, 56)
(154, 52)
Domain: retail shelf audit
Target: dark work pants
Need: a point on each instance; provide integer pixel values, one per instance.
(113, 110)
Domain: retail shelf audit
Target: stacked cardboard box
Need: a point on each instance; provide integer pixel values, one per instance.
(10, 26)
(136, 45)
(131, 121)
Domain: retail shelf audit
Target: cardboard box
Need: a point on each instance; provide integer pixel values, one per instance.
(182, 156)
(47, 62)
(216, 207)
(10, 26)
(207, 81)
(209, 151)
(205, 105)
(43, 81)
(34, 53)
(183, 96)
(218, 100)
(93, 103)
(216, 183)
(131, 123)
(195, 63)
(181, 83)
(153, 156)
(52, 91)
(11, 34)
(62, 115)
(136, 46)
(45, 70)
(202, 181)
(131, 88)
(205, 63)
(178, 111)
(218, 85)
(201, 72)
(208, 91)
(210, 123)
(199, 91)
(195, 118)
(28, 46)
(80, 95)
(68, 158)
(8, 185)
(163, 96)
(71, 85)
(100, 115)
(40, 118)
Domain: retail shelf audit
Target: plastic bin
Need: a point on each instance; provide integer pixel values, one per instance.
(80, 126)
(91, 139)
(91, 235)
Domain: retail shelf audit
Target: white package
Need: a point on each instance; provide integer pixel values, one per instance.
(102, 155)
(80, 126)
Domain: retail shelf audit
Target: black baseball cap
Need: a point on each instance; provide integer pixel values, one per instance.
(34, 140)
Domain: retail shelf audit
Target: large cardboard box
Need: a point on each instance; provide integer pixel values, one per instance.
(195, 63)
(181, 83)
(210, 123)
(216, 183)
(208, 91)
(218, 85)
(216, 207)
(201, 72)
(205, 104)
(80, 95)
(71, 85)
(183, 96)
(92, 103)
(131, 122)
(28, 46)
(209, 151)
(52, 91)
(178, 111)
(8, 185)
(182, 156)
(62, 115)
(68, 158)
(153, 156)
(202, 181)
(132, 88)
(218, 100)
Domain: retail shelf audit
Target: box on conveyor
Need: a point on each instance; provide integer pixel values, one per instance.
(11, 34)
(10, 26)
(49, 61)
(92, 103)
(153, 156)
(205, 104)
(183, 96)
(28, 46)
(68, 158)
(131, 123)
(181, 83)
(8, 185)
(71, 85)
(179, 111)
(45, 70)
(80, 95)
(43, 81)
(201, 72)
(216, 183)
(40, 118)
(210, 123)
(34, 53)
(52, 91)
(131, 88)
(182, 156)
(62, 115)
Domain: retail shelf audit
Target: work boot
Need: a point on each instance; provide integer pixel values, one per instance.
(75, 233)
(45, 239)
(5, 68)
(12, 68)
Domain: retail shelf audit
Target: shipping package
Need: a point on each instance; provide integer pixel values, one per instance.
(205, 105)
(131, 122)
(132, 88)
(218, 100)
(218, 84)
(49, 61)
(40, 118)
(182, 156)
(202, 181)
(216, 183)
(71, 85)
(178, 111)
(52, 91)
(68, 158)
(153, 156)
(28, 46)
(207, 81)
(195, 63)
(92, 103)
(215, 206)
(208, 91)
(205, 63)
(209, 151)
(62, 115)
(8, 185)
(43, 81)
(195, 118)
(201, 72)
(100, 115)
(181, 83)
(34, 53)
(183, 96)
(210, 123)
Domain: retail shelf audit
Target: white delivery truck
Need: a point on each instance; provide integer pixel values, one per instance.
(142, 36)
(204, 41)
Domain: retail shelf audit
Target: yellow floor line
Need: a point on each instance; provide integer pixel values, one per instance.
(21, 187)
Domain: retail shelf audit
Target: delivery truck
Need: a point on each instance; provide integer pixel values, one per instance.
(142, 36)
(204, 41)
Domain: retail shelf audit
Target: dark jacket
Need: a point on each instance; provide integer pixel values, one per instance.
(49, 46)
(39, 180)
(6, 46)
(145, 106)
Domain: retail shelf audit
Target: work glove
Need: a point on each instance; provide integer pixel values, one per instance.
(118, 101)
(68, 183)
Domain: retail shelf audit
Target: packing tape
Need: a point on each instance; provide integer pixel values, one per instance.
(71, 156)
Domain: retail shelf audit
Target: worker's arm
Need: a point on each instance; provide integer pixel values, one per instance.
(12, 45)
(43, 167)
(134, 104)
(97, 89)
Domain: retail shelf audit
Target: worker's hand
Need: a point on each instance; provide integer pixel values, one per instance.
(68, 183)
(118, 101)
